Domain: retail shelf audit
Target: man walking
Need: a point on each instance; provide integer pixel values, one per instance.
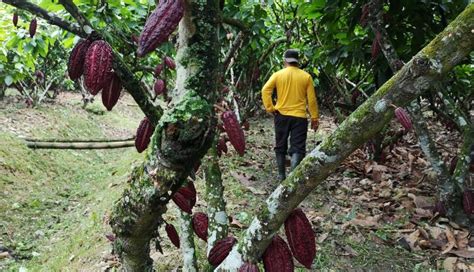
(295, 91)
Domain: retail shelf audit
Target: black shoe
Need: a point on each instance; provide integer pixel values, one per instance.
(296, 158)
(281, 161)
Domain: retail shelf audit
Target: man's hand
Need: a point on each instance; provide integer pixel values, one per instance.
(315, 124)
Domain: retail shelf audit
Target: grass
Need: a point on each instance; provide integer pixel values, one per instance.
(54, 204)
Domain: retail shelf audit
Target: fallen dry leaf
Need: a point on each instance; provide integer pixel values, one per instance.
(449, 263)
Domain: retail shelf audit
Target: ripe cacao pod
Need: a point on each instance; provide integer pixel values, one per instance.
(256, 74)
(234, 131)
(159, 87)
(403, 118)
(97, 66)
(161, 23)
(300, 236)
(182, 202)
(375, 49)
(110, 237)
(111, 92)
(249, 267)
(144, 132)
(225, 90)
(189, 192)
(39, 76)
(220, 250)
(172, 234)
(135, 39)
(33, 25)
(277, 256)
(221, 146)
(364, 15)
(158, 69)
(452, 165)
(468, 201)
(245, 125)
(15, 19)
(354, 97)
(200, 225)
(440, 208)
(75, 65)
(170, 63)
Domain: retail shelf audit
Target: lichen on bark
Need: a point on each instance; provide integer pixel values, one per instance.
(181, 138)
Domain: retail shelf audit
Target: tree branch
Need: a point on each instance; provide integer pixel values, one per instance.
(236, 23)
(75, 13)
(235, 46)
(48, 16)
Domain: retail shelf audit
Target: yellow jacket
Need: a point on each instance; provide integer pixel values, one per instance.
(294, 89)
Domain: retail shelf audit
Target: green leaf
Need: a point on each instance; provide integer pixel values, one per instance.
(8, 80)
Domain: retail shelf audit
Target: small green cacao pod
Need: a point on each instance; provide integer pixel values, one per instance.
(172, 234)
(159, 25)
(221, 250)
(75, 65)
(111, 91)
(97, 66)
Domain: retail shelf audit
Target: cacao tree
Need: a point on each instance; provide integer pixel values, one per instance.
(184, 130)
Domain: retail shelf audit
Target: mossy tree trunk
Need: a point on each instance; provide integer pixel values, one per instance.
(419, 75)
(450, 187)
(216, 211)
(181, 138)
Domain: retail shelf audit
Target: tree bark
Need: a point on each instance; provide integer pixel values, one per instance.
(419, 75)
(181, 138)
(186, 237)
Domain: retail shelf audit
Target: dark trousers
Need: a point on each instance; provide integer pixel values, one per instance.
(296, 128)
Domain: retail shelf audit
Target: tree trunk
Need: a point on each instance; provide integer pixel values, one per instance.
(419, 75)
(181, 138)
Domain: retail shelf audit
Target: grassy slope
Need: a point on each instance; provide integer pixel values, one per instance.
(53, 202)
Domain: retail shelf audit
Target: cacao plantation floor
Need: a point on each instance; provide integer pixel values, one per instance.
(54, 204)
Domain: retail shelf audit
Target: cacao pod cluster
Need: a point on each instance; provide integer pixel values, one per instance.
(159, 25)
(93, 59)
(403, 117)
(143, 135)
(302, 245)
(221, 250)
(234, 131)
